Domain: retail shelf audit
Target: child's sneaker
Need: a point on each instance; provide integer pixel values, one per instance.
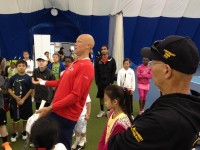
(73, 134)
(14, 137)
(82, 142)
(24, 135)
(32, 145)
(101, 113)
(74, 146)
(6, 146)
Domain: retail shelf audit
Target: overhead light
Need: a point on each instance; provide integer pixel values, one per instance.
(54, 12)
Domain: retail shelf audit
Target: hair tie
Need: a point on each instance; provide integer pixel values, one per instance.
(41, 148)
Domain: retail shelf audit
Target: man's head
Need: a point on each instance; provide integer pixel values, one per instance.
(179, 52)
(104, 50)
(42, 61)
(174, 60)
(83, 45)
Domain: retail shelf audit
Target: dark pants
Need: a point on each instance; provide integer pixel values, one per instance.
(131, 104)
(66, 129)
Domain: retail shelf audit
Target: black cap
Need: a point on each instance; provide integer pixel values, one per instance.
(179, 52)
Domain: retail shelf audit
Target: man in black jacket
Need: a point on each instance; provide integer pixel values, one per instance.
(105, 67)
(173, 120)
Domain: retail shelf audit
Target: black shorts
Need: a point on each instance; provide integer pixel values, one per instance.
(3, 119)
(21, 112)
(100, 92)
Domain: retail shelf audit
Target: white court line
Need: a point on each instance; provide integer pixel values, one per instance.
(195, 81)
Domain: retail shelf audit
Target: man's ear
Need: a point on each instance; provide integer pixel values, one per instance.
(89, 45)
(168, 71)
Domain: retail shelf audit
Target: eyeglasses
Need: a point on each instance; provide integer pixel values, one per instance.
(154, 48)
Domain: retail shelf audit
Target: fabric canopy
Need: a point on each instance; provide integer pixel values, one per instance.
(143, 22)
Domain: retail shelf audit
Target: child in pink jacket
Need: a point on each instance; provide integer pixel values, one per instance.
(117, 100)
(144, 76)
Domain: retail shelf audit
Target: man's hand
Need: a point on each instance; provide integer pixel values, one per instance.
(44, 111)
(36, 82)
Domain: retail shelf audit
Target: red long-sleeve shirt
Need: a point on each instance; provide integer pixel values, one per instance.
(72, 89)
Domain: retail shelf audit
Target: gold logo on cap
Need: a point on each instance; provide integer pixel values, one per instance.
(168, 54)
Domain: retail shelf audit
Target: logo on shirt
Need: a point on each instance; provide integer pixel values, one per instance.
(85, 77)
(137, 136)
(71, 68)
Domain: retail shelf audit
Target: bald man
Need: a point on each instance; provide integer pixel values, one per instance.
(72, 90)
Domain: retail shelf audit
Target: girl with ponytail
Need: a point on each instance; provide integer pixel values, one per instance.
(116, 99)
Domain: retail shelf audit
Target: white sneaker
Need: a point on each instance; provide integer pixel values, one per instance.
(73, 135)
(32, 145)
(74, 146)
(101, 113)
(82, 142)
(14, 137)
(24, 135)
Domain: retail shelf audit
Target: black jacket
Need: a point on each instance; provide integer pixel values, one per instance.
(43, 92)
(171, 123)
(105, 73)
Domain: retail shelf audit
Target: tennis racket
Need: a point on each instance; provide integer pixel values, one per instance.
(17, 89)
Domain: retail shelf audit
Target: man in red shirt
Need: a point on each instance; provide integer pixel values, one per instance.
(72, 90)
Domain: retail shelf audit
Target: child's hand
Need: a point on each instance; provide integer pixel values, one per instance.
(21, 102)
(17, 98)
(87, 116)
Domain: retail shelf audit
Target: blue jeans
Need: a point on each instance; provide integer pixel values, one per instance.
(66, 129)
